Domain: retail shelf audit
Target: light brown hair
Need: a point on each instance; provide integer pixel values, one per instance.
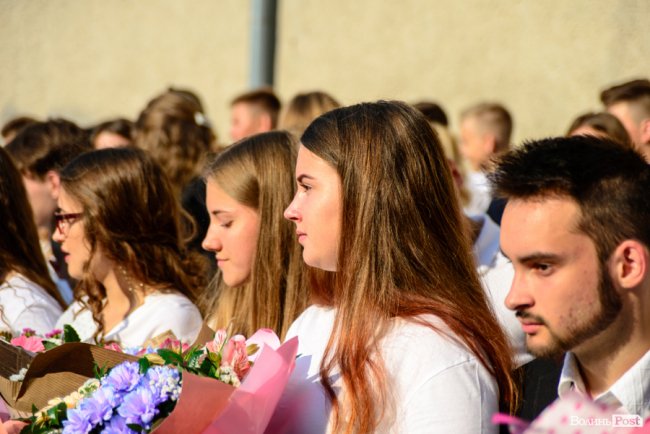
(258, 172)
(304, 108)
(174, 131)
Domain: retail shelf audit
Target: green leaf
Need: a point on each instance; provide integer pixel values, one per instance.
(134, 427)
(48, 345)
(99, 372)
(70, 334)
(171, 357)
(144, 365)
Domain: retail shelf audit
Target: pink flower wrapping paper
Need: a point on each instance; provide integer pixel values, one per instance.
(211, 407)
(575, 414)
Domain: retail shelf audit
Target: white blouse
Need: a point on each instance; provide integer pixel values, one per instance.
(436, 384)
(159, 313)
(24, 304)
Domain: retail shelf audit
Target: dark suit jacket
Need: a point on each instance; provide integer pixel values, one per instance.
(539, 389)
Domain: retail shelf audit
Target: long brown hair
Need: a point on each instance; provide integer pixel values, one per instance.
(132, 214)
(20, 249)
(173, 129)
(398, 208)
(258, 173)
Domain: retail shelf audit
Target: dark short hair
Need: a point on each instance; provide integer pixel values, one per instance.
(46, 146)
(628, 91)
(609, 182)
(120, 126)
(605, 123)
(433, 112)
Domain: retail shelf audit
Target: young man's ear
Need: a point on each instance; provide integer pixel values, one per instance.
(54, 183)
(630, 262)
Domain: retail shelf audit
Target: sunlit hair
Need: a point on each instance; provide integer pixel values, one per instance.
(20, 250)
(604, 124)
(304, 108)
(258, 172)
(403, 253)
(173, 129)
(119, 126)
(262, 99)
(634, 92)
(131, 214)
(495, 119)
(609, 182)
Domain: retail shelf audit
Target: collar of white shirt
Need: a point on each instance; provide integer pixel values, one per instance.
(629, 394)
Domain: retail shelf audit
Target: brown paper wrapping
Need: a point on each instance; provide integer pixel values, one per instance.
(54, 373)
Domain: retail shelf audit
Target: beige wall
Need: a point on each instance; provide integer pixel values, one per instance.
(94, 59)
(545, 60)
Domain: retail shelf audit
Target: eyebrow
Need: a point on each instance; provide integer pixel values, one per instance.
(303, 176)
(216, 212)
(538, 256)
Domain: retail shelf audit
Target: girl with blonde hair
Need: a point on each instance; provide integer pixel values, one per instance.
(260, 280)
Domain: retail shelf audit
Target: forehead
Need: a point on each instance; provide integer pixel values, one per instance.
(66, 202)
(218, 200)
(311, 164)
(540, 224)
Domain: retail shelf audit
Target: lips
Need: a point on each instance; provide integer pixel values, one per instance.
(301, 236)
(530, 324)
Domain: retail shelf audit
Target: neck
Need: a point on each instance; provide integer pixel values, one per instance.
(117, 289)
(616, 350)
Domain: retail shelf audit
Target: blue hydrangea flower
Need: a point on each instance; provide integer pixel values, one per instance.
(99, 406)
(124, 377)
(77, 422)
(117, 425)
(139, 407)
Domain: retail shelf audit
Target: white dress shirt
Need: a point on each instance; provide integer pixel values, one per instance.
(630, 394)
(435, 383)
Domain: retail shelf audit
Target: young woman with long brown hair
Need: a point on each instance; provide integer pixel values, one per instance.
(119, 224)
(28, 296)
(402, 339)
(260, 280)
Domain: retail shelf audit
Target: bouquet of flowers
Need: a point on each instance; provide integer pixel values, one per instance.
(174, 387)
(576, 413)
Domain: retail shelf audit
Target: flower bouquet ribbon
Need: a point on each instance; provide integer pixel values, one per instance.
(575, 413)
(213, 407)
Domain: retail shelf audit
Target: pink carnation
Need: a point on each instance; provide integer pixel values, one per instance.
(32, 343)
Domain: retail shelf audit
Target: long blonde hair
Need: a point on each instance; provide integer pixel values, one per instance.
(258, 173)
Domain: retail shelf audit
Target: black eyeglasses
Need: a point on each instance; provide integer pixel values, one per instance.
(64, 221)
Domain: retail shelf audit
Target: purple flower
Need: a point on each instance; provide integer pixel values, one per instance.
(77, 422)
(99, 407)
(139, 407)
(117, 425)
(124, 377)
